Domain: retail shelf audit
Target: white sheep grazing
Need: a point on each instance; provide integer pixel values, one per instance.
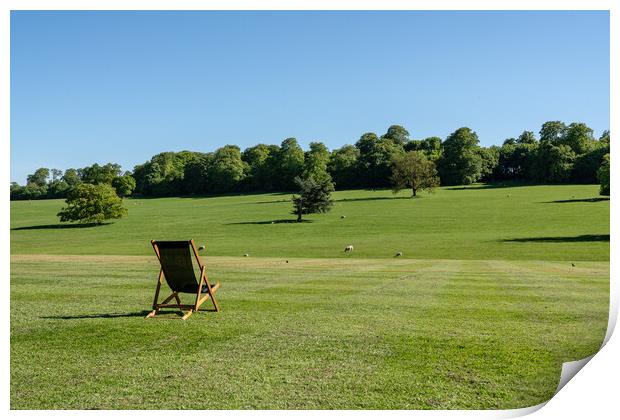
(348, 248)
(399, 254)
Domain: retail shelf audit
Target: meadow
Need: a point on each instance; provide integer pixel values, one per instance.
(562, 222)
(495, 289)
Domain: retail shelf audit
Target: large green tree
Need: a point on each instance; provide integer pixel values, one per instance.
(163, 174)
(375, 159)
(397, 133)
(579, 137)
(516, 161)
(290, 163)
(88, 203)
(343, 167)
(262, 163)
(461, 162)
(552, 132)
(527, 137)
(98, 174)
(226, 170)
(314, 196)
(39, 177)
(124, 185)
(604, 176)
(554, 163)
(316, 160)
(413, 170)
(71, 177)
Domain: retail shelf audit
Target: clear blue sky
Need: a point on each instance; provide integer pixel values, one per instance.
(122, 86)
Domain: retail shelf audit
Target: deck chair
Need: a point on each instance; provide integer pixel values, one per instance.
(177, 268)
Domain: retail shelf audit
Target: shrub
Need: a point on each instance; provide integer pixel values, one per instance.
(87, 203)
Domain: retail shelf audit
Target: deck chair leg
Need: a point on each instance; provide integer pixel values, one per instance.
(188, 314)
(215, 304)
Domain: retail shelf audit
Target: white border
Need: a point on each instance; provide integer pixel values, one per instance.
(592, 393)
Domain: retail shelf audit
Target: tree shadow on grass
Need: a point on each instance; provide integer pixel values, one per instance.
(270, 222)
(486, 186)
(97, 316)
(580, 200)
(374, 198)
(62, 226)
(558, 239)
(269, 202)
(171, 314)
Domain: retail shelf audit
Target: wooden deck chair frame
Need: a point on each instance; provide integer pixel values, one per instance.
(201, 296)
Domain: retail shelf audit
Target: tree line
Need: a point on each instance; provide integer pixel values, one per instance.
(561, 153)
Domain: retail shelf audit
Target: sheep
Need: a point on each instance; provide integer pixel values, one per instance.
(343, 216)
(348, 248)
(399, 254)
(201, 247)
(246, 255)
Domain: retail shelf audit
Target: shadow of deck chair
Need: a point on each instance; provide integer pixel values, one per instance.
(177, 268)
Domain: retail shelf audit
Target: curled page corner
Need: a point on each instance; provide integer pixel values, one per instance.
(569, 370)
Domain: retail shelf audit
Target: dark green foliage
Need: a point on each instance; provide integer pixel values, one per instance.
(431, 146)
(162, 175)
(579, 137)
(554, 163)
(316, 160)
(56, 174)
(124, 185)
(195, 174)
(604, 139)
(29, 192)
(57, 189)
(226, 170)
(262, 162)
(565, 153)
(489, 160)
(552, 132)
(290, 164)
(397, 133)
(604, 176)
(527, 137)
(516, 161)
(375, 159)
(314, 196)
(461, 161)
(39, 177)
(587, 165)
(71, 177)
(88, 203)
(414, 171)
(97, 174)
(343, 167)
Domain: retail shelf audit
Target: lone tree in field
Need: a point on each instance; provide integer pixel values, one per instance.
(413, 170)
(603, 176)
(314, 195)
(88, 203)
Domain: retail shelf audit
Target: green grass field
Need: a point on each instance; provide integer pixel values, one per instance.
(497, 287)
(519, 223)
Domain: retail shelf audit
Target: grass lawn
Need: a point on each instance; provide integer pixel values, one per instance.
(540, 222)
(313, 333)
(497, 287)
